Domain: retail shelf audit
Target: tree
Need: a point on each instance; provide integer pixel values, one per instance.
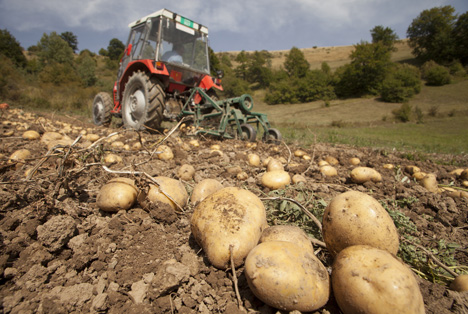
(241, 70)
(295, 64)
(214, 61)
(11, 49)
(86, 68)
(430, 34)
(401, 84)
(460, 36)
(384, 35)
(71, 40)
(53, 49)
(115, 49)
(259, 68)
(369, 66)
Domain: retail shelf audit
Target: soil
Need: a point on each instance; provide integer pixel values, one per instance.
(61, 254)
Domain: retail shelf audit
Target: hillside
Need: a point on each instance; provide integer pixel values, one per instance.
(334, 56)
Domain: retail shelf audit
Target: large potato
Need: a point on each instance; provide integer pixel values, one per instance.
(167, 191)
(354, 218)
(117, 194)
(276, 179)
(205, 188)
(363, 174)
(370, 280)
(287, 277)
(287, 233)
(229, 217)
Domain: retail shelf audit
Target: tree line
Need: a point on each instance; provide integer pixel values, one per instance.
(438, 38)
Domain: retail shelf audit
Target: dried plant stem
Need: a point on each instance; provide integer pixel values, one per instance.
(234, 277)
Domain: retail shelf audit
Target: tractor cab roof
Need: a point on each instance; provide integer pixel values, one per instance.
(173, 16)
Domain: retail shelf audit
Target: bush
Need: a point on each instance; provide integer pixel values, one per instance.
(403, 113)
(10, 80)
(402, 84)
(435, 74)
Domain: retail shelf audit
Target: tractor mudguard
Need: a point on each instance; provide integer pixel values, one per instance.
(207, 83)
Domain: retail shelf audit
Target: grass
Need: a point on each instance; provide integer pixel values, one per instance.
(369, 122)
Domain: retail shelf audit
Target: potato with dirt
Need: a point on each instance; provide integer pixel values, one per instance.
(288, 233)
(286, 276)
(370, 280)
(117, 194)
(229, 219)
(353, 218)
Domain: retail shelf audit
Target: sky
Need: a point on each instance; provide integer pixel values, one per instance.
(233, 25)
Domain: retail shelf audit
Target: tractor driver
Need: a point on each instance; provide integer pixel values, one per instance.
(175, 55)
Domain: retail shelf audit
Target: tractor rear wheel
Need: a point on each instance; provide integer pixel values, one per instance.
(272, 136)
(248, 133)
(102, 106)
(143, 102)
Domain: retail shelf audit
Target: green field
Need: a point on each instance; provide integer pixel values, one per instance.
(442, 126)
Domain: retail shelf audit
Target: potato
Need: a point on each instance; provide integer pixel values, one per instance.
(112, 159)
(388, 166)
(328, 171)
(92, 137)
(167, 191)
(287, 277)
(165, 152)
(353, 218)
(194, 143)
(363, 174)
(287, 233)
(322, 163)
(19, 155)
(412, 169)
(48, 137)
(31, 135)
(275, 180)
(117, 144)
(297, 178)
(332, 160)
(203, 189)
(229, 217)
(430, 183)
(419, 175)
(460, 283)
(464, 175)
(457, 172)
(299, 153)
(253, 159)
(242, 176)
(369, 280)
(274, 164)
(117, 194)
(186, 172)
(354, 161)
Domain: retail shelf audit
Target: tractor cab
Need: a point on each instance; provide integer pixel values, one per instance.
(172, 46)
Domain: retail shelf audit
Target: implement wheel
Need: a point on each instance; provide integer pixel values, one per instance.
(102, 106)
(248, 133)
(142, 103)
(272, 136)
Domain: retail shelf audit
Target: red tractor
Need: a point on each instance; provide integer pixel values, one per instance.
(164, 74)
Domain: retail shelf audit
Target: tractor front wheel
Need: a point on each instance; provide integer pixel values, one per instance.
(102, 106)
(248, 133)
(272, 136)
(143, 102)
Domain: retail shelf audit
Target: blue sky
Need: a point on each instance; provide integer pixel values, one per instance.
(234, 25)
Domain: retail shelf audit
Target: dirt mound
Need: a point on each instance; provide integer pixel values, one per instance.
(61, 254)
